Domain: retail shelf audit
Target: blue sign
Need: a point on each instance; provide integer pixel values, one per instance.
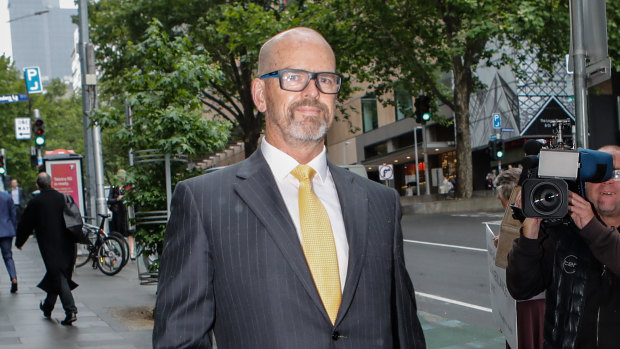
(497, 121)
(508, 130)
(33, 80)
(22, 97)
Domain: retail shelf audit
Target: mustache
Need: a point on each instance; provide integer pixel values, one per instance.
(308, 103)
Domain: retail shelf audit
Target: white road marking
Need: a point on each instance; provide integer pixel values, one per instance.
(452, 301)
(444, 245)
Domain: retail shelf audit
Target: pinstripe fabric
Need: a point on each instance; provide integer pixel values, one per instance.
(232, 263)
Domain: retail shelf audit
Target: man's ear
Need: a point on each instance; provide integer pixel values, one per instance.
(258, 94)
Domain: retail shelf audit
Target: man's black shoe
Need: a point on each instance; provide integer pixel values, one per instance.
(69, 319)
(46, 313)
(13, 286)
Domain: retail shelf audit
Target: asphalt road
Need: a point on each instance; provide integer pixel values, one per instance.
(447, 260)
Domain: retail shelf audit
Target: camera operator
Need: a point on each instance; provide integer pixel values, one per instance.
(578, 264)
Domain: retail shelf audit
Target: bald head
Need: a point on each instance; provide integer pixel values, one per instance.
(270, 57)
(44, 181)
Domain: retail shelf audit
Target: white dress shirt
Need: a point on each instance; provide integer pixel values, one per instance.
(281, 165)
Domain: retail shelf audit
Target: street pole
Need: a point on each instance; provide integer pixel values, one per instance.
(92, 133)
(426, 177)
(579, 78)
(417, 171)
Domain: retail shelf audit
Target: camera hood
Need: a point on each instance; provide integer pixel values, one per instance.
(596, 166)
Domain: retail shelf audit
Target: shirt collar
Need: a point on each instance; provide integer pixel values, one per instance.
(282, 164)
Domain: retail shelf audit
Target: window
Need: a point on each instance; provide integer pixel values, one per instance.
(369, 112)
(403, 104)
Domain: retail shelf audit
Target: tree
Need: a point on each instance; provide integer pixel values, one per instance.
(60, 109)
(228, 35)
(162, 88)
(411, 44)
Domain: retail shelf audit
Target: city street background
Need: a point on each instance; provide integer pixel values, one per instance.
(445, 256)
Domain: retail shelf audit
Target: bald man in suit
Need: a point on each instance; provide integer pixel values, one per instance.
(235, 258)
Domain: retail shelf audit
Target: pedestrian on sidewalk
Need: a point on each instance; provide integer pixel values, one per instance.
(116, 204)
(285, 249)
(19, 197)
(44, 215)
(8, 222)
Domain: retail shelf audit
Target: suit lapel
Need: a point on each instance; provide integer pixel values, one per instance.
(260, 193)
(354, 204)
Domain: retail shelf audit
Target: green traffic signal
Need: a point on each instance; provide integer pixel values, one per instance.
(39, 140)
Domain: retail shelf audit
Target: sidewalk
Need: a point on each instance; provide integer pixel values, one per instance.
(113, 311)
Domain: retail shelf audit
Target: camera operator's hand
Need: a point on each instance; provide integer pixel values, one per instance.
(531, 226)
(580, 210)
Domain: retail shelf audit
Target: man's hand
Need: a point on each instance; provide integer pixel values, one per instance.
(580, 210)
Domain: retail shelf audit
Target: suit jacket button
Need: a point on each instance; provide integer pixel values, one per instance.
(335, 335)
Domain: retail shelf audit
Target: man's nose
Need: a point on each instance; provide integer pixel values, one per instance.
(311, 90)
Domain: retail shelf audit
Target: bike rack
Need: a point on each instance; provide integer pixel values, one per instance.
(155, 217)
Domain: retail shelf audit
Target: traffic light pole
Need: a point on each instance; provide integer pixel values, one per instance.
(92, 133)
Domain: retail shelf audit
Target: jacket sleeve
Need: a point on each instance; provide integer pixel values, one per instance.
(530, 266)
(408, 328)
(604, 242)
(185, 306)
(25, 226)
(12, 214)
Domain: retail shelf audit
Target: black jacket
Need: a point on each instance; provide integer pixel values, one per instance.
(44, 215)
(580, 272)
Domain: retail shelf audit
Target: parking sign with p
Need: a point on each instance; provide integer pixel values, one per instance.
(33, 80)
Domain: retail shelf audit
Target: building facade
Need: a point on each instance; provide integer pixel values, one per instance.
(42, 36)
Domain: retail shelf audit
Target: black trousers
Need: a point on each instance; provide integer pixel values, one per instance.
(66, 298)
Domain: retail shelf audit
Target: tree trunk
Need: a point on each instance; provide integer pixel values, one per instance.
(462, 91)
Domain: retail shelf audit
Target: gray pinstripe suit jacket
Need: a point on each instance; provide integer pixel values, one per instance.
(232, 263)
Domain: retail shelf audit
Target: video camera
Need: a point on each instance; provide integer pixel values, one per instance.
(548, 176)
(550, 172)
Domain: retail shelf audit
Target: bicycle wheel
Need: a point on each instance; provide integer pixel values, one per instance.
(110, 256)
(83, 251)
(83, 255)
(123, 241)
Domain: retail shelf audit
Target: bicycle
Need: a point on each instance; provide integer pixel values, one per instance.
(106, 252)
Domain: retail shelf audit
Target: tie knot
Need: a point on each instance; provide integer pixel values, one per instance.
(303, 172)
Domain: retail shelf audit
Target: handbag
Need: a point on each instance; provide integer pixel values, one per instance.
(73, 220)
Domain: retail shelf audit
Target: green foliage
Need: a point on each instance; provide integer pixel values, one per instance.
(61, 111)
(161, 87)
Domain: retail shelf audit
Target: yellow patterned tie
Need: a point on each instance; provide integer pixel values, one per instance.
(318, 242)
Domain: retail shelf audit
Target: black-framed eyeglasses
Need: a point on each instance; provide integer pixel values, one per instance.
(296, 80)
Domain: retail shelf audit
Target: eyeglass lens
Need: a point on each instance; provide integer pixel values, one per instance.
(297, 80)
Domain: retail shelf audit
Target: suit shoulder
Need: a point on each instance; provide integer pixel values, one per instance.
(212, 179)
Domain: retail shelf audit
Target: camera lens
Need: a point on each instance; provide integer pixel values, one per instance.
(546, 198)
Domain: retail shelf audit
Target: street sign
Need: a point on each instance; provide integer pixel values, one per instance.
(386, 172)
(33, 80)
(508, 130)
(22, 97)
(22, 128)
(497, 121)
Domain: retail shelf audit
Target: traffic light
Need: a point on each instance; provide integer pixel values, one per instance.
(496, 149)
(2, 163)
(39, 132)
(499, 151)
(422, 109)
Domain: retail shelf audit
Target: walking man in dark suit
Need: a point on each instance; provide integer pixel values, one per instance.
(8, 221)
(19, 197)
(286, 250)
(44, 215)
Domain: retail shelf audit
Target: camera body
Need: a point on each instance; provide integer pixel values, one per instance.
(550, 175)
